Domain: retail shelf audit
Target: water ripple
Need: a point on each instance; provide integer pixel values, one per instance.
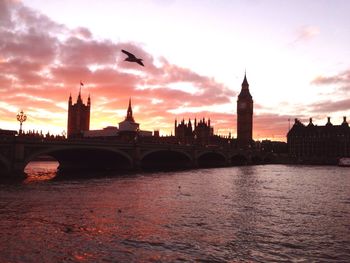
(241, 214)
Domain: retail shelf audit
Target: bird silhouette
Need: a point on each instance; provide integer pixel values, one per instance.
(132, 58)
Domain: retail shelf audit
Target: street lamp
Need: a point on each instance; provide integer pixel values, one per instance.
(21, 117)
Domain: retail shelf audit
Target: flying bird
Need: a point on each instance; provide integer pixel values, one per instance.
(132, 58)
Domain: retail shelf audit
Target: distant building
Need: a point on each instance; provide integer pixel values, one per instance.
(184, 131)
(128, 129)
(272, 146)
(199, 133)
(6, 133)
(245, 116)
(319, 144)
(203, 131)
(109, 131)
(129, 125)
(156, 133)
(78, 117)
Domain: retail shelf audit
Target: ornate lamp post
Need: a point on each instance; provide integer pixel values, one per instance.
(21, 117)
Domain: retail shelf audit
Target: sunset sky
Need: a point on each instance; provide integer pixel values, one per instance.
(296, 55)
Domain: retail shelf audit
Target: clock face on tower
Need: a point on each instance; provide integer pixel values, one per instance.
(242, 105)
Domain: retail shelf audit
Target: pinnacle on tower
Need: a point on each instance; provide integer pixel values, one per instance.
(129, 116)
(89, 101)
(245, 83)
(245, 89)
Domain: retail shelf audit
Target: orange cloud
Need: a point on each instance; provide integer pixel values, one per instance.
(42, 62)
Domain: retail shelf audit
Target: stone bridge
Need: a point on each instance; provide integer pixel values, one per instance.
(72, 155)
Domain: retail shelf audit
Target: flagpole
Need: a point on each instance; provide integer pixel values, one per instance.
(81, 84)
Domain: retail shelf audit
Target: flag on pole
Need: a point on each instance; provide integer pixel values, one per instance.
(81, 83)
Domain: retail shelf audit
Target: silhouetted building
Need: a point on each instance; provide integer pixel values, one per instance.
(7, 132)
(129, 124)
(319, 144)
(129, 129)
(109, 131)
(245, 116)
(273, 146)
(78, 117)
(184, 132)
(156, 133)
(203, 131)
(199, 133)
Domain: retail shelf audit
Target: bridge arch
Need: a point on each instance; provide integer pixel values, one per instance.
(211, 159)
(165, 159)
(85, 157)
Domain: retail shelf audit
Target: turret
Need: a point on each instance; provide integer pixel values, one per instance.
(79, 100)
(89, 101)
(329, 122)
(189, 124)
(345, 123)
(310, 123)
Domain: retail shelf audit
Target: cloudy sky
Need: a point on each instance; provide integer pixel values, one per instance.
(296, 55)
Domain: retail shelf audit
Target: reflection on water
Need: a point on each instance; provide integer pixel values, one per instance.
(40, 171)
(257, 213)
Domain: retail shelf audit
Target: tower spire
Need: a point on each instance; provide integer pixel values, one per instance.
(245, 88)
(129, 116)
(245, 83)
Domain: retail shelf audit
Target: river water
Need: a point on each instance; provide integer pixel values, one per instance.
(272, 213)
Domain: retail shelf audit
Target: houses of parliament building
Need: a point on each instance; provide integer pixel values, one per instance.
(200, 132)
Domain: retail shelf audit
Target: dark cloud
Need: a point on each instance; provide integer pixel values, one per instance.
(5, 14)
(76, 51)
(30, 45)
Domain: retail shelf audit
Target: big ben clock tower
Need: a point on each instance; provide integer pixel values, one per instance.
(245, 116)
